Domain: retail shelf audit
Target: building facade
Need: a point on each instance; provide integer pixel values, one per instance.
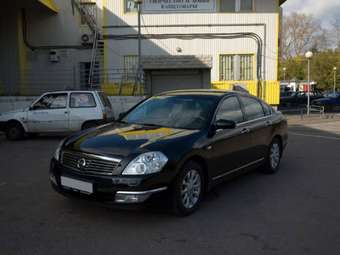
(58, 44)
(192, 43)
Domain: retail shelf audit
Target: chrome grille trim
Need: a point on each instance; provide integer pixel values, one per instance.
(96, 164)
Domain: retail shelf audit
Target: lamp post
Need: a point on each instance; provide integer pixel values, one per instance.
(139, 71)
(334, 70)
(284, 73)
(309, 56)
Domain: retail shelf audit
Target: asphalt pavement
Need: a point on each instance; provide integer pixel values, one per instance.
(296, 211)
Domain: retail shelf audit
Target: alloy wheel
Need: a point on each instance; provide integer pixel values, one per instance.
(191, 189)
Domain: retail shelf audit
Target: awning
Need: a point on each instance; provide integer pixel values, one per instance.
(50, 4)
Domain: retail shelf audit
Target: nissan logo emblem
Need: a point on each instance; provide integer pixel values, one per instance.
(81, 163)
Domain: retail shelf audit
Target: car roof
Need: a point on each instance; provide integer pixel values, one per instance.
(68, 91)
(206, 92)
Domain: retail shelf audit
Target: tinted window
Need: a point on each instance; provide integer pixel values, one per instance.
(267, 109)
(230, 109)
(82, 100)
(252, 107)
(187, 112)
(51, 101)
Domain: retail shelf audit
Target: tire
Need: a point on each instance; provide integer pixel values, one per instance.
(273, 158)
(15, 131)
(186, 202)
(88, 125)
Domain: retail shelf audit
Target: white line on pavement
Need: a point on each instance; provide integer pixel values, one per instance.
(316, 136)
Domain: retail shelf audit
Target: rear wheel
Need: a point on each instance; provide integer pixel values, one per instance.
(15, 131)
(188, 189)
(273, 158)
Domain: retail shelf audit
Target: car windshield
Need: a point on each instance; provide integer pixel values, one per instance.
(179, 111)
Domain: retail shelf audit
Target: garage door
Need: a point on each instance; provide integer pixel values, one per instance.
(166, 80)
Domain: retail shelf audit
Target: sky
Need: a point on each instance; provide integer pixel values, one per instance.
(325, 10)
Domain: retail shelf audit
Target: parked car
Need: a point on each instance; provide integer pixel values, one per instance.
(299, 99)
(178, 143)
(331, 102)
(62, 111)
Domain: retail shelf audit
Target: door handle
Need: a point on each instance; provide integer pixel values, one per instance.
(269, 123)
(66, 112)
(245, 131)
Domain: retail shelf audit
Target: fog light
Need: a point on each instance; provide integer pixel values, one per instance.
(53, 179)
(131, 198)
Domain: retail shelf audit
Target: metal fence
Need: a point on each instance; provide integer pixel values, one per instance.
(32, 82)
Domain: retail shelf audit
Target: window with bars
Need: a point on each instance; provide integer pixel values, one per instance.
(130, 6)
(236, 5)
(246, 67)
(227, 67)
(130, 66)
(236, 67)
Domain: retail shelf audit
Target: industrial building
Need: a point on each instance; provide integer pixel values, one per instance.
(51, 44)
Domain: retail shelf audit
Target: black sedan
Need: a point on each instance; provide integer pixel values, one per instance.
(179, 143)
(330, 103)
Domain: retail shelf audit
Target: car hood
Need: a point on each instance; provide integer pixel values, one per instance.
(121, 140)
(6, 115)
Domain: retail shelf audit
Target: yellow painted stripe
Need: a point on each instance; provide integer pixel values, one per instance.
(50, 4)
(271, 93)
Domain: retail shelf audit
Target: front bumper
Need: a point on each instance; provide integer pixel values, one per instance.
(110, 189)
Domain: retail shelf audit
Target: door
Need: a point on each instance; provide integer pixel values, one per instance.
(49, 114)
(83, 107)
(178, 79)
(230, 148)
(260, 125)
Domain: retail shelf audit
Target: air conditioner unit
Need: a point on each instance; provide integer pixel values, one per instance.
(86, 38)
(54, 56)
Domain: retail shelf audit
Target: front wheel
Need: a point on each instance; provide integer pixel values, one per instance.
(15, 131)
(273, 158)
(188, 189)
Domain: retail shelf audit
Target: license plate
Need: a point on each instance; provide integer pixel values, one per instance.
(84, 187)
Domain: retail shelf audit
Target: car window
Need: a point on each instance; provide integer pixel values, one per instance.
(267, 109)
(82, 100)
(230, 109)
(51, 101)
(105, 100)
(252, 108)
(179, 111)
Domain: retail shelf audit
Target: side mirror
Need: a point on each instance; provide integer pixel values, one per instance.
(225, 124)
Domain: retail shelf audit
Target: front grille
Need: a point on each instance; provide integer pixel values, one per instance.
(88, 163)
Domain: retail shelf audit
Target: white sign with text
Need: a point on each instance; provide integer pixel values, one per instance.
(159, 6)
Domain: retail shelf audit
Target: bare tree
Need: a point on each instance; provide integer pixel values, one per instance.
(335, 30)
(301, 32)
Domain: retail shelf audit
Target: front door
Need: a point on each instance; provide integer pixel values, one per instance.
(229, 149)
(49, 114)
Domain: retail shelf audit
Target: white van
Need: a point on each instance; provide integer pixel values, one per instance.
(61, 111)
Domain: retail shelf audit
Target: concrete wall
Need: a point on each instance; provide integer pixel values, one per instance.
(119, 104)
(26, 71)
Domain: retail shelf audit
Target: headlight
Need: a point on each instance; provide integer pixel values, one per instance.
(146, 163)
(57, 151)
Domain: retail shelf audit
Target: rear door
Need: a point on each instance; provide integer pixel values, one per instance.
(108, 111)
(260, 125)
(83, 107)
(49, 114)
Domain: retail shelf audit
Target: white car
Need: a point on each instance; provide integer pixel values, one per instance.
(62, 111)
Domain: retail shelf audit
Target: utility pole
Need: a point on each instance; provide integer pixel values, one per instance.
(334, 70)
(284, 73)
(139, 71)
(309, 56)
